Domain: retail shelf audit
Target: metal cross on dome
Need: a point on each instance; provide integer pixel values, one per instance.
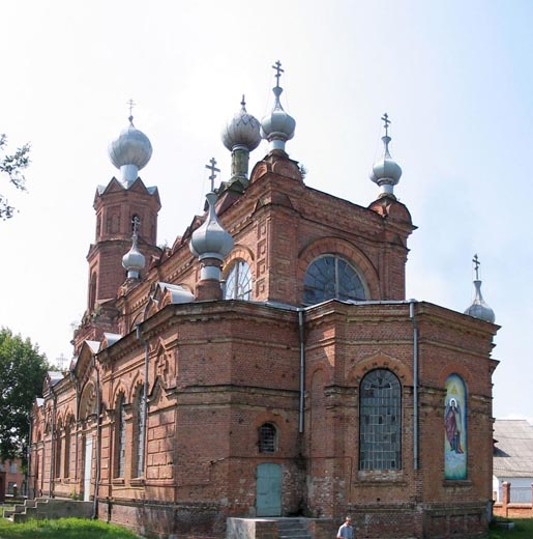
(279, 71)
(136, 223)
(131, 104)
(387, 122)
(212, 167)
(477, 263)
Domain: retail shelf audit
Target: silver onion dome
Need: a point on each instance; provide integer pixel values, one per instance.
(479, 308)
(278, 126)
(133, 261)
(210, 240)
(130, 152)
(386, 172)
(242, 131)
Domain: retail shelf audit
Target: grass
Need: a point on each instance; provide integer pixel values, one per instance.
(523, 529)
(65, 528)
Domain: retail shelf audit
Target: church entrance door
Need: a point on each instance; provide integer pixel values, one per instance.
(268, 490)
(87, 469)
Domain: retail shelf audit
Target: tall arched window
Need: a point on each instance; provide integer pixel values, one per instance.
(138, 434)
(58, 449)
(68, 429)
(239, 281)
(332, 277)
(120, 437)
(380, 423)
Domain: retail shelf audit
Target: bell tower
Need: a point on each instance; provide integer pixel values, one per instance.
(124, 207)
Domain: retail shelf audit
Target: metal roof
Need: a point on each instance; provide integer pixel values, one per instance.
(513, 448)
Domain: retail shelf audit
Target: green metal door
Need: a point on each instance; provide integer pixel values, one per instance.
(268, 485)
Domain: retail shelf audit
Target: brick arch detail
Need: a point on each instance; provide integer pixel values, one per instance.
(121, 388)
(380, 361)
(448, 370)
(138, 381)
(86, 396)
(340, 247)
(240, 252)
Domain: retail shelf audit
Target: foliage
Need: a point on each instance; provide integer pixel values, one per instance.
(22, 370)
(12, 166)
(65, 528)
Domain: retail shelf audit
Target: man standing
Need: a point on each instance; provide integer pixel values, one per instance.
(346, 531)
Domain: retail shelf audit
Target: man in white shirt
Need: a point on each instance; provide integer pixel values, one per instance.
(346, 531)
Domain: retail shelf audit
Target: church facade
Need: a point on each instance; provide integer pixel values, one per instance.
(267, 364)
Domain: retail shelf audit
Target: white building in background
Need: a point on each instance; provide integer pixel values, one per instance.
(513, 459)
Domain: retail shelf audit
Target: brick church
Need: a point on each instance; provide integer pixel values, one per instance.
(267, 364)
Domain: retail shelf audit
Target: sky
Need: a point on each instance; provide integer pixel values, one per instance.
(455, 77)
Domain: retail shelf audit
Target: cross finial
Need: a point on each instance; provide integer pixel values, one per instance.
(212, 167)
(477, 263)
(386, 121)
(279, 71)
(131, 104)
(136, 223)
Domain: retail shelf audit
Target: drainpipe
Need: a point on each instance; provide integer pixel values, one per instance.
(98, 434)
(28, 469)
(138, 333)
(301, 329)
(415, 382)
(74, 381)
(52, 445)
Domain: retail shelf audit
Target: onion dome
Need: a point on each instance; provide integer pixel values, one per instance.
(133, 261)
(210, 240)
(242, 131)
(278, 126)
(386, 172)
(130, 152)
(479, 308)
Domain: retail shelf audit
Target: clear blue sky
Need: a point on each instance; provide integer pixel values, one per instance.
(455, 78)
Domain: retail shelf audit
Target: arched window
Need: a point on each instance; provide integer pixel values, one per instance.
(68, 429)
(380, 423)
(57, 449)
(332, 277)
(92, 292)
(239, 281)
(268, 438)
(120, 437)
(138, 434)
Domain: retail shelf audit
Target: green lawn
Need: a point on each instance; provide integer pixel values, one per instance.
(65, 528)
(523, 529)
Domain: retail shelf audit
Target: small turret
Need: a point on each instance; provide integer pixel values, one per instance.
(479, 308)
(386, 172)
(134, 261)
(211, 243)
(278, 126)
(130, 152)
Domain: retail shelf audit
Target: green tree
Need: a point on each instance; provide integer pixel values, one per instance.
(22, 372)
(12, 165)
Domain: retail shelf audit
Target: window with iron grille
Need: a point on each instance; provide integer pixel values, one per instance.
(380, 426)
(267, 438)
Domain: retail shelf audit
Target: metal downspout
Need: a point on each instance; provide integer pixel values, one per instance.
(302, 369)
(28, 466)
(52, 445)
(97, 450)
(415, 383)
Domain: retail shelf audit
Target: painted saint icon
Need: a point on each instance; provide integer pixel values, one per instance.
(455, 438)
